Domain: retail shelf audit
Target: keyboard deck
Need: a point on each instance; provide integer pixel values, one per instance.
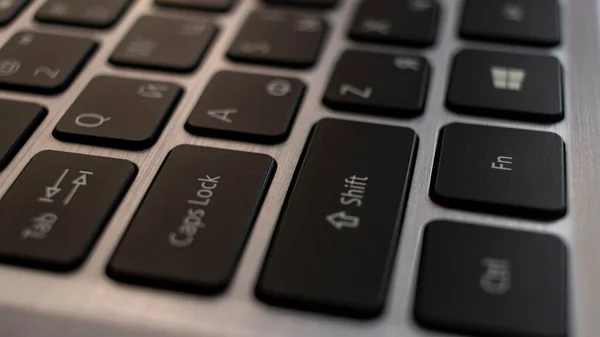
(299, 168)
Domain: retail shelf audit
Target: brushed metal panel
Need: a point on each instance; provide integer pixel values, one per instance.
(87, 303)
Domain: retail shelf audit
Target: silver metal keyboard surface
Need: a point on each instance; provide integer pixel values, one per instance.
(88, 303)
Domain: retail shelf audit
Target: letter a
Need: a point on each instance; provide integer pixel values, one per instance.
(222, 115)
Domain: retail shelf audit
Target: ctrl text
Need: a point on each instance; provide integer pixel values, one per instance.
(41, 226)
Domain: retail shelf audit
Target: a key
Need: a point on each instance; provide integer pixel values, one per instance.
(18, 120)
(88, 13)
(279, 38)
(500, 170)
(191, 228)
(334, 247)
(503, 85)
(26, 64)
(400, 22)
(9, 9)
(206, 5)
(119, 112)
(53, 213)
(531, 22)
(483, 281)
(305, 3)
(167, 44)
(247, 107)
(381, 84)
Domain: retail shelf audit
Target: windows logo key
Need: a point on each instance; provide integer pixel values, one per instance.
(508, 78)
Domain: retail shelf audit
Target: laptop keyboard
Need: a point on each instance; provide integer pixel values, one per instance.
(334, 245)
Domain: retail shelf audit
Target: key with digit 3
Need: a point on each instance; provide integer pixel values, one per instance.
(53, 213)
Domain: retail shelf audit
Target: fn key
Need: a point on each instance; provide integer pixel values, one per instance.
(334, 246)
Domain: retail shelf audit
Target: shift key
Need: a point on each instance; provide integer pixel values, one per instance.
(191, 229)
(334, 246)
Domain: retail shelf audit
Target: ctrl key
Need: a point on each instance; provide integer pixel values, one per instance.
(493, 282)
(53, 213)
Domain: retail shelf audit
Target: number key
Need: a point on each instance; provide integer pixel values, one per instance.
(279, 38)
(26, 64)
(384, 84)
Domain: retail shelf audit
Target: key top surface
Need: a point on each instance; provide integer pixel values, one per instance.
(335, 242)
(279, 38)
(370, 83)
(531, 22)
(484, 281)
(500, 170)
(119, 112)
(88, 13)
(54, 212)
(18, 120)
(191, 228)
(166, 44)
(305, 3)
(10, 9)
(504, 85)
(26, 64)
(399, 22)
(247, 107)
(208, 5)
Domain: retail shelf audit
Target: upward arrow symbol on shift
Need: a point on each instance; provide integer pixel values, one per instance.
(341, 220)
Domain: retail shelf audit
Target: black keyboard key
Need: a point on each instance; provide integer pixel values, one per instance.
(305, 3)
(88, 13)
(26, 64)
(167, 44)
(380, 84)
(483, 281)
(191, 228)
(531, 22)
(503, 85)
(499, 170)
(206, 5)
(400, 22)
(18, 120)
(279, 38)
(247, 107)
(119, 112)
(51, 216)
(9, 9)
(334, 246)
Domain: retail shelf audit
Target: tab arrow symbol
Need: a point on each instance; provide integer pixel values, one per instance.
(79, 182)
(341, 220)
(53, 190)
